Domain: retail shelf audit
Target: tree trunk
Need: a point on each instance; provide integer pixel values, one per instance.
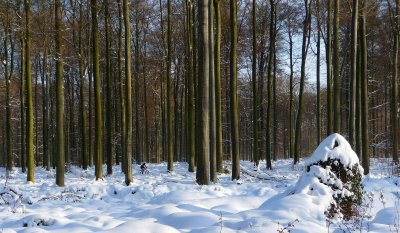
(59, 98)
(170, 100)
(84, 144)
(269, 84)
(395, 87)
(234, 92)
(109, 112)
(213, 133)
(97, 95)
(203, 103)
(128, 96)
(336, 71)
(304, 50)
(191, 98)
(217, 73)
(29, 113)
(364, 92)
(353, 80)
(254, 86)
(328, 47)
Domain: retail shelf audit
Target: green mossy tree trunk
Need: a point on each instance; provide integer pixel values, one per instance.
(97, 94)
(29, 109)
(128, 96)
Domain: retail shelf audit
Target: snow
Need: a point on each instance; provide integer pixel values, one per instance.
(264, 201)
(334, 147)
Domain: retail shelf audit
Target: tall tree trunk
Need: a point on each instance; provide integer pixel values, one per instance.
(138, 123)
(59, 98)
(203, 103)
(213, 133)
(23, 105)
(364, 92)
(304, 50)
(8, 99)
(109, 112)
(292, 115)
(29, 113)
(328, 47)
(97, 95)
(217, 73)
(170, 106)
(128, 96)
(319, 121)
(121, 90)
(358, 100)
(395, 92)
(84, 144)
(269, 84)
(336, 71)
(234, 92)
(254, 86)
(45, 112)
(191, 98)
(353, 80)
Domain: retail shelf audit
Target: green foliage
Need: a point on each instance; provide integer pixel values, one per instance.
(347, 188)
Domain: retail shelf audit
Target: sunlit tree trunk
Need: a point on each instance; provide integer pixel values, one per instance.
(29, 109)
(128, 96)
(217, 73)
(203, 103)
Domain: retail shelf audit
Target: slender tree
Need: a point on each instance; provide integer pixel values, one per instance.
(59, 97)
(269, 84)
(97, 95)
(203, 103)
(353, 80)
(9, 156)
(304, 50)
(109, 111)
(328, 47)
(29, 113)
(364, 92)
(336, 72)
(83, 121)
(395, 92)
(217, 73)
(170, 100)
(254, 86)
(212, 126)
(121, 89)
(234, 92)
(128, 96)
(319, 120)
(190, 95)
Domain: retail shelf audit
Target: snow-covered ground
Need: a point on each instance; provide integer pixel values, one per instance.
(173, 202)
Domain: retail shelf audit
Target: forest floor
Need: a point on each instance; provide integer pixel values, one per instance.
(173, 202)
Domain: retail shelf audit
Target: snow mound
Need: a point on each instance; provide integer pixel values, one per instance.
(334, 147)
(329, 187)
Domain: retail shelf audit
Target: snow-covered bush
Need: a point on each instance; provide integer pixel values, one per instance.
(337, 167)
